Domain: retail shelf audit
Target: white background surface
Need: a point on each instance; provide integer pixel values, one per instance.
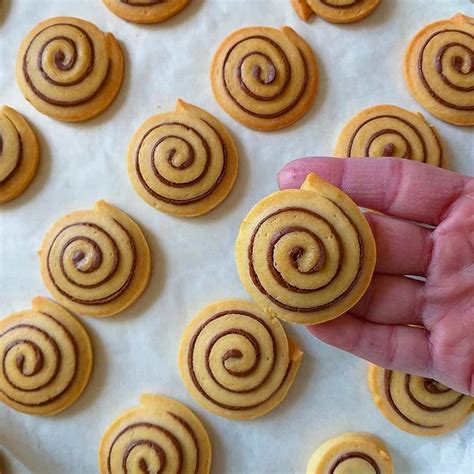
(193, 260)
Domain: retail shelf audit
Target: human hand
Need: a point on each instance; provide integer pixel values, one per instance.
(376, 329)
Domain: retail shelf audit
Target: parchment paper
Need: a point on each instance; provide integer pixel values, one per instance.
(136, 351)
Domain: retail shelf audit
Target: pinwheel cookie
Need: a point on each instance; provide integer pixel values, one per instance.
(183, 162)
(265, 78)
(145, 11)
(335, 11)
(439, 69)
(160, 435)
(236, 361)
(95, 262)
(416, 404)
(46, 359)
(68, 69)
(306, 256)
(360, 453)
(19, 154)
(387, 130)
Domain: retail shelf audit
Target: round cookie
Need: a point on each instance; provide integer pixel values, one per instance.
(306, 256)
(236, 361)
(95, 262)
(145, 11)
(387, 130)
(160, 435)
(68, 69)
(439, 69)
(46, 359)
(265, 78)
(19, 154)
(183, 162)
(416, 404)
(351, 453)
(343, 11)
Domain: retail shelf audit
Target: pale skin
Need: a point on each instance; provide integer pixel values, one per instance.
(376, 329)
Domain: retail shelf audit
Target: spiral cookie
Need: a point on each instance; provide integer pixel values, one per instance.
(386, 130)
(46, 359)
(95, 262)
(439, 69)
(360, 453)
(236, 361)
(19, 154)
(68, 69)
(265, 78)
(418, 405)
(183, 162)
(145, 11)
(161, 435)
(336, 11)
(306, 256)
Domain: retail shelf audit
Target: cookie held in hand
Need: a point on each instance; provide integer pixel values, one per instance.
(95, 262)
(387, 130)
(265, 78)
(183, 162)
(418, 405)
(236, 360)
(19, 154)
(46, 359)
(68, 69)
(306, 255)
(145, 11)
(160, 435)
(361, 453)
(439, 69)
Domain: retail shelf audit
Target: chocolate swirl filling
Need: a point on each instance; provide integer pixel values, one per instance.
(142, 3)
(457, 64)
(63, 66)
(190, 159)
(93, 265)
(158, 451)
(235, 354)
(272, 74)
(349, 4)
(355, 455)
(430, 386)
(390, 148)
(29, 337)
(278, 278)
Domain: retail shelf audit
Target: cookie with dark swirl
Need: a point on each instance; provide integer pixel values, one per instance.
(387, 130)
(439, 69)
(418, 405)
(265, 78)
(236, 360)
(95, 262)
(68, 69)
(19, 154)
(160, 435)
(145, 11)
(306, 255)
(183, 162)
(361, 453)
(46, 359)
(335, 11)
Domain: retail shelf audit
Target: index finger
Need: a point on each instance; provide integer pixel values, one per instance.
(394, 186)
